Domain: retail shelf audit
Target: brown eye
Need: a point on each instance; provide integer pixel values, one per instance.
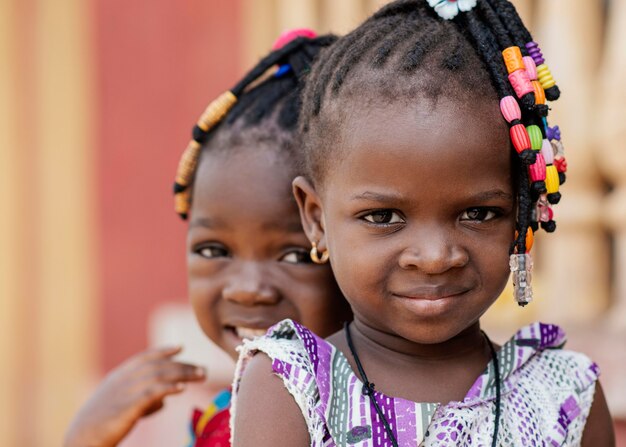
(212, 251)
(297, 256)
(478, 214)
(383, 217)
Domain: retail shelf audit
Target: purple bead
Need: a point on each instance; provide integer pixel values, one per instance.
(553, 133)
(535, 52)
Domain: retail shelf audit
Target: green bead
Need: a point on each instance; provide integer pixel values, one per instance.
(536, 138)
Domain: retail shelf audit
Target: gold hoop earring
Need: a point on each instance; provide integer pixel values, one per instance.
(315, 256)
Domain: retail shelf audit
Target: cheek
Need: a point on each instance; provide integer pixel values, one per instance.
(360, 265)
(204, 292)
(316, 299)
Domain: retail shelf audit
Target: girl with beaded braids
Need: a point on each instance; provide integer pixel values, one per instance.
(428, 162)
(248, 261)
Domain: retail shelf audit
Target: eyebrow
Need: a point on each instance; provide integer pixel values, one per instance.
(294, 226)
(376, 196)
(490, 195)
(206, 223)
(483, 196)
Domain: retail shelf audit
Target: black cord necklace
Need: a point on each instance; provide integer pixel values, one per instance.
(368, 387)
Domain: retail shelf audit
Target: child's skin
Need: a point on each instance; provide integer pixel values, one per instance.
(418, 215)
(248, 268)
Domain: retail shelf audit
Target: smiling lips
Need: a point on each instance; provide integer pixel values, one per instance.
(432, 293)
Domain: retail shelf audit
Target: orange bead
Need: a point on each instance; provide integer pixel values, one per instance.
(513, 59)
(540, 94)
(530, 239)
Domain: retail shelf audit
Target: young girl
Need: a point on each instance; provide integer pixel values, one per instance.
(428, 157)
(248, 261)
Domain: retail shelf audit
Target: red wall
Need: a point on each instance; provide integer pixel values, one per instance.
(159, 63)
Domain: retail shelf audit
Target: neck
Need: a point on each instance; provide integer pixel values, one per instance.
(468, 342)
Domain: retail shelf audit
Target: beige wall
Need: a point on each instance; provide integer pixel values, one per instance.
(47, 344)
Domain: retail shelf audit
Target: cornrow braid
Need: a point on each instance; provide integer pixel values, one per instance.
(253, 104)
(406, 35)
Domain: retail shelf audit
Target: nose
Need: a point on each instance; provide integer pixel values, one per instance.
(248, 285)
(433, 252)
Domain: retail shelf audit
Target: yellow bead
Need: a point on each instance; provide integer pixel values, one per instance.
(552, 179)
(545, 77)
(216, 111)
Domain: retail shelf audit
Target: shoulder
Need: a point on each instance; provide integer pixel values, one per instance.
(264, 413)
(599, 429)
(278, 374)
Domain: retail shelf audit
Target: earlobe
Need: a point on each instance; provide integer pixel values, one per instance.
(311, 213)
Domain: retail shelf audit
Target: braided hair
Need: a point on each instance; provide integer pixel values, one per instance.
(406, 50)
(259, 106)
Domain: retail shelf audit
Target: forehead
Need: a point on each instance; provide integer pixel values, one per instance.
(440, 144)
(251, 184)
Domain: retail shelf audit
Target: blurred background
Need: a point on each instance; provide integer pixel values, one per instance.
(97, 99)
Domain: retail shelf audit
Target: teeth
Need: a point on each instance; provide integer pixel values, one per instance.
(249, 333)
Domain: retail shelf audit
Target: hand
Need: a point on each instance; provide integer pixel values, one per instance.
(133, 390)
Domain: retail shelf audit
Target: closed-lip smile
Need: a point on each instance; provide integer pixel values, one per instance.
(432, 293)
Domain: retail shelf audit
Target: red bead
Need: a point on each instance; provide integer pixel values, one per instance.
(519, 137)
(561, 164)
(292, 34)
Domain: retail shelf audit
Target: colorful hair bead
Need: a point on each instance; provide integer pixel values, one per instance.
(521, 143)
(513, 59)
(540, 94)
(544, 212)
(552, 184)
(521, 270)
(216, 110)
(545, 77)
(553, 133)
(521, 83)
(537, 170)
(291, 34)
(547, 151)
(211, 116)
(187, 164)
(181, 203)
(561, 164)
(536, 137)
(557, 146)
(543, 72)
(510, 109)
(535, 52)
(530, 240)
(531, 67)
(552, 180)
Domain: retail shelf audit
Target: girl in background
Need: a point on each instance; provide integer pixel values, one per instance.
(248, 262)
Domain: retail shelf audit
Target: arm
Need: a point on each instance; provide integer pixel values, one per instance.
(133, 390)
(599, 427)
(266, 414)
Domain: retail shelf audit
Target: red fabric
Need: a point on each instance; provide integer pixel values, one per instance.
(216, 433)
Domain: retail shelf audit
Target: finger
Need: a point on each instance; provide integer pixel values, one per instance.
(153, 408)
(151, 397)
(153, 354)
(170, 371)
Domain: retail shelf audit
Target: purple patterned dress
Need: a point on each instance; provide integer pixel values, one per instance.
(546, 394)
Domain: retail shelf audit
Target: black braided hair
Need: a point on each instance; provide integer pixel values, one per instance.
(267, 107)
(462, 57)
